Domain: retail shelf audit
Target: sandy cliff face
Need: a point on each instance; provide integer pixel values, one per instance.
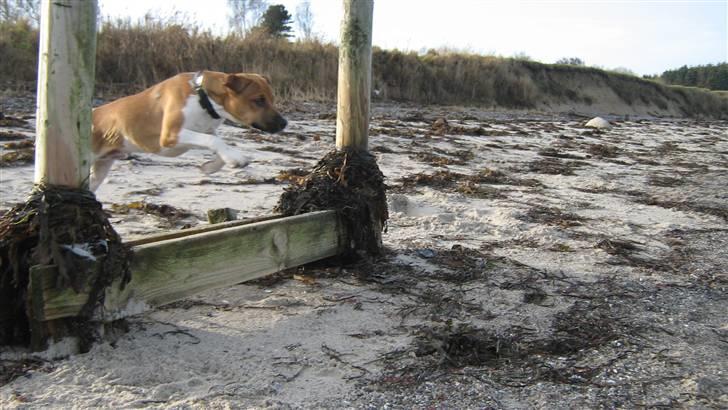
(591, 91)
(507, 84)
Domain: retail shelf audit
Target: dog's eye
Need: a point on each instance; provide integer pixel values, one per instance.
(260, 101)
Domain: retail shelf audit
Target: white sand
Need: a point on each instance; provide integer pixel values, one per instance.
(319, 342)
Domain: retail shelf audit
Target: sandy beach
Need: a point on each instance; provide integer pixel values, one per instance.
(531, 263)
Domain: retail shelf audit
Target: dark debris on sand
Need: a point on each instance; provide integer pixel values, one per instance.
(68, 228)
(19, 151)
(464, 183)
(350, 182)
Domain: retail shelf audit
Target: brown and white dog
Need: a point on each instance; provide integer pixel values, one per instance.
(179, 114)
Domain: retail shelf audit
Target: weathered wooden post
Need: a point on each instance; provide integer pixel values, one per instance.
(60, 238)
(67, 57)
(66, 64)
(355, 74)
(348, 178)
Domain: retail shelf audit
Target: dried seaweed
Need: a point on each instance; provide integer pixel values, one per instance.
(438, 304)
(632, 253)
(399, 131)
(442, 127)
(438, 179)
(715, 209)
(668, 147)
(19, 144)
(617, 247)
(465, 183)
(165, 211)
(450, 158)
(292, 175)
(603, 150)
(553, 166)
(557, 153)
(517, 355)
(464, 345)
(68, 228)
(551, 216)
(666, 181)
(350, 182)
(462, 264)
(21, 156)
(11, 136)
(474, 190)
(13, 369)
(9, 121)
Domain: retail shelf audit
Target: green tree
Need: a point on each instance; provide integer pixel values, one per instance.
(277, 21)
(712, 76)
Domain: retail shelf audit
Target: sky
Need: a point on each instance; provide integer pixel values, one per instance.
(646, 37)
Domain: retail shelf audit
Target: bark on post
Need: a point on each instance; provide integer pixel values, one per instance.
(66, 64)
(355, 73)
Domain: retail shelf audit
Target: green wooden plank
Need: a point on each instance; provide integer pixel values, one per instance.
(170, 270)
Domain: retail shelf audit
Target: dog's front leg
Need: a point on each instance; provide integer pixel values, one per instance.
(227, 154)
(99, 169)
(213, 165)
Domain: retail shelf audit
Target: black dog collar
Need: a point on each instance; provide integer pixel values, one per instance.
(203, 98)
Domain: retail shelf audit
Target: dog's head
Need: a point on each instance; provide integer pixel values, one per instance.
(249, 98)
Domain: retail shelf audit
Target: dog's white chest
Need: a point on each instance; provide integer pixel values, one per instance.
(198, 119)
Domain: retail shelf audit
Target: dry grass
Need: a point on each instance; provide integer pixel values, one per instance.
(18, 48)
(134, 55)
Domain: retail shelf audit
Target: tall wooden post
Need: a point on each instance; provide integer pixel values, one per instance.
(355, 73)
(67, 59)
(66, 63)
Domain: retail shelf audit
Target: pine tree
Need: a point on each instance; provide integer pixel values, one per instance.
(277, 21)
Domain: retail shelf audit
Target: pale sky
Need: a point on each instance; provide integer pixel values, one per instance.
(647, 37)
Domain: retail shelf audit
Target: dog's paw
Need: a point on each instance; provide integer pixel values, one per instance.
(239, 164)
(169, 141)
(235, 159)
(213, 165)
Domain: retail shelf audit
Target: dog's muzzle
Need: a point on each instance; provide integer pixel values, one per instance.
(277, 124)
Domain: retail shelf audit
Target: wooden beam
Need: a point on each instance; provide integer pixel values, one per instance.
(355, 73)
(172, 269)
(200, 229)
(67, 58)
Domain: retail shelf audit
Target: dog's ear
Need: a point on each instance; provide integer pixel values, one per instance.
(267, 79)
(237, 83)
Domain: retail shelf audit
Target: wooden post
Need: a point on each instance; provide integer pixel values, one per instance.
(66, 63)
(67, 58)
(355, 73)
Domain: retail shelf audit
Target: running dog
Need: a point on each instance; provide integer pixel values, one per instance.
(179, 114)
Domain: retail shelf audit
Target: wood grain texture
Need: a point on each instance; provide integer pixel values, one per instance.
(199, 229)
(172, 269)
(66, 63)
(355, 73)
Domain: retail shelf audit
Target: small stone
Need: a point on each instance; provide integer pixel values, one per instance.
(598, 123)
(216, 216)
(426, 253)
